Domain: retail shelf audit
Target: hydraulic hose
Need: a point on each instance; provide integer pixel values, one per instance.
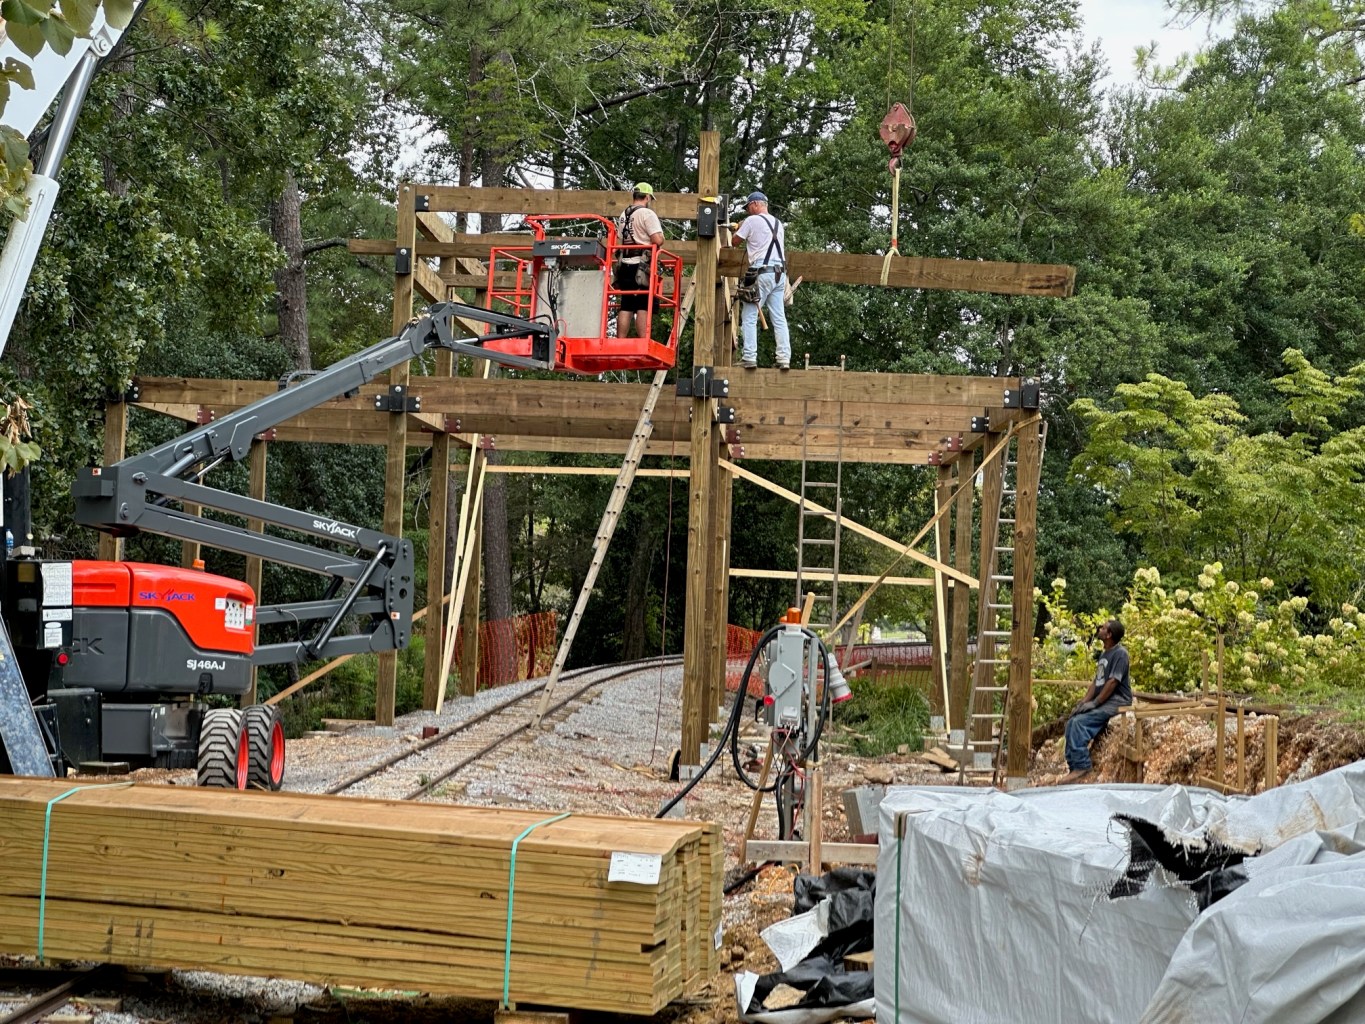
(731, 725)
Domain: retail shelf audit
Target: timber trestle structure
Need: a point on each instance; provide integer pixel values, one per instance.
(949, 422)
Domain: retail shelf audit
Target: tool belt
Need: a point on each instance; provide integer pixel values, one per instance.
(748, 284)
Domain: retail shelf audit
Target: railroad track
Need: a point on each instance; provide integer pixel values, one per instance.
(424, 767)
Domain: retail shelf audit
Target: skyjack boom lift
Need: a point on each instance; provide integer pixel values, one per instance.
(112, 660)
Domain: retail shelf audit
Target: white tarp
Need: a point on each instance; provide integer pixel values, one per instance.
(1001, 900)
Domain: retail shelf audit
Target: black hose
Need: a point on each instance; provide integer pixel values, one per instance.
(731, 726)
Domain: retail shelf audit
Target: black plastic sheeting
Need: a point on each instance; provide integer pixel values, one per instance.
(851, 892)
(1210, 871)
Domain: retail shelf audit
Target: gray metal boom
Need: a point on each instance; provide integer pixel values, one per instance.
(146, 493)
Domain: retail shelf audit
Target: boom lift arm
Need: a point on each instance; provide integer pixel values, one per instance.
(147, 493)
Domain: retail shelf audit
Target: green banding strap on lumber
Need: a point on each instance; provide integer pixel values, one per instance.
(511, 895)
(47, 836)
(900, 839)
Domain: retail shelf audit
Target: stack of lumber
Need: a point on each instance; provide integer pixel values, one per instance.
(362, 892)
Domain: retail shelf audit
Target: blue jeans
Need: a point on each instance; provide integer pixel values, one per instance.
(1081, 728)
(772, 294)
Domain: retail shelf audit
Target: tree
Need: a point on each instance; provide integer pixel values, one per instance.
(1194, 486)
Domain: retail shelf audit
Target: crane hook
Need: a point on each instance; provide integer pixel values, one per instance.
(897, 131)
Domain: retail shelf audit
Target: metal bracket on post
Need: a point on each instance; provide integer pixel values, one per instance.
(204, 415)
(1026, 396)
(704, 384)
(935, 458)
(981, 424)
(421, 203)
(398, 400)
(451, 424)
(488, 442)
(952, 443)
(725, 413)
(133, 394)
(402, 261)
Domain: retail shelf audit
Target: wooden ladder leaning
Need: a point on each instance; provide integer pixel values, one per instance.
(818, 534)
(644, 428)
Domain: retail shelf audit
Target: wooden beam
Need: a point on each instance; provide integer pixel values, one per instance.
(825, 575)
(469, 611)
(962, 596)
(110, 548)
(697, 627)
(438, 518)
(903, 389)
(255, 566)
(581, 470)
(1028, 473)
(942, 551)
(395, 464)
(469, 199)
(852, 525)
(1041, 279)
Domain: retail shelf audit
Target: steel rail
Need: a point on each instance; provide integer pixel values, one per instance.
(487, 713)
(492, 745)
(40, 1006)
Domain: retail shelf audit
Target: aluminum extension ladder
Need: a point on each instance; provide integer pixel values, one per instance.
(988, 697)
(818, 534)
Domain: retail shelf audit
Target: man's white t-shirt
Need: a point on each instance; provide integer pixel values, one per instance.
(644, 223)
(757, 233)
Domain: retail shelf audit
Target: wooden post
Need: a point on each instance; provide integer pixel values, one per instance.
(115, 447)
(701, 535)
(962, 596)
(724, 491)
(469, 614)
(438, 516)
(386, 676)
(1241, 749)
(939, 637)
(1271, 736)
(255, 567)
(1028, 472)
(815, 801)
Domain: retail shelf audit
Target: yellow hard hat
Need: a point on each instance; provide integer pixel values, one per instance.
(643, 188)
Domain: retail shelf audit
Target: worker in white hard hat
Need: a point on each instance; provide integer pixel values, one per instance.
(765, 282)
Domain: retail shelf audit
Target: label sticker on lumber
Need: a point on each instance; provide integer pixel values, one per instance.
(720, 933)
(641, 868)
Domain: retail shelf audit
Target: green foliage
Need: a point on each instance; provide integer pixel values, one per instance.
(1269, 647)
(1191, 485)
(880, 718)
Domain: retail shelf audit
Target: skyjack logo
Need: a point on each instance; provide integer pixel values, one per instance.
(167, 596)
(335, 529)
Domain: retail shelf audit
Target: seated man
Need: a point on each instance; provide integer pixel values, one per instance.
(1111, 690)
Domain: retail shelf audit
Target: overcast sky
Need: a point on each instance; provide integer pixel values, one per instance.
(1121, 26)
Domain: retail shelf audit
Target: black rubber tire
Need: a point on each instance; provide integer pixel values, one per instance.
(220, 735)
(259, 722)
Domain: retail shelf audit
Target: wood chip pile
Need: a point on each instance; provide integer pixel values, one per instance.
(362, 892)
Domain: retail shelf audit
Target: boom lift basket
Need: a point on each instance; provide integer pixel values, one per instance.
(570, 282)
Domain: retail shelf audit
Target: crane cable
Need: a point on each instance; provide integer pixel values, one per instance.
(897, 131)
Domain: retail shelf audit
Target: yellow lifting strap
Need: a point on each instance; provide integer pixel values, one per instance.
(897, 131)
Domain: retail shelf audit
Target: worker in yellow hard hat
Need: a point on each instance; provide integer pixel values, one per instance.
(638, 225)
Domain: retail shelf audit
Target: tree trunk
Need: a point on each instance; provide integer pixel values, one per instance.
(637, 594)
(291, 280)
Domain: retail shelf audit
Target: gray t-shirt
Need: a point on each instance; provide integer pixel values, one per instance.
(1113, 664)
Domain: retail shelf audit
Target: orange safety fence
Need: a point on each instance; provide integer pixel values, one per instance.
(739, 644)
(510, 650)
